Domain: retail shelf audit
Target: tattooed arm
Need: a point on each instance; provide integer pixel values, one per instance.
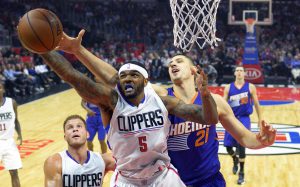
(96, 93)
(206, 114)
(97, 66)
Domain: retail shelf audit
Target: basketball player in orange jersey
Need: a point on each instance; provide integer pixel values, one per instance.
(240, 95)
(9, 153)
(139, 123)
(77, 166)
(205, 163)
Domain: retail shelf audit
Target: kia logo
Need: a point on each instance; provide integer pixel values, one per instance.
(252, 73)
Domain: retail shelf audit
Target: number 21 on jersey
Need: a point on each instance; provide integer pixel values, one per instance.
(202, 137)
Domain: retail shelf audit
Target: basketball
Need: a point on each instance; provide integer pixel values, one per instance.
(39, 30)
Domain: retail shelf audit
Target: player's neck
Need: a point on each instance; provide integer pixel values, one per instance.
(79, 154)
(185, 91)
(239, 82)
(138, 99)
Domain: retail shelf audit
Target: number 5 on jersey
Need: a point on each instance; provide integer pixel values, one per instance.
(143, 143)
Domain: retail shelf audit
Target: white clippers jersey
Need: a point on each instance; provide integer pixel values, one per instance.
(138, 135)
(7, 119)
(90, 173)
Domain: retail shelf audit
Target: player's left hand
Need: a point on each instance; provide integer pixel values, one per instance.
(19, 140)
(70, 44)
(267, 134)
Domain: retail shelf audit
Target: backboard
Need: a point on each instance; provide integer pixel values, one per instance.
(259, 10)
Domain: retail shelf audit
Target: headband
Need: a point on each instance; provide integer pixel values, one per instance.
(135, 67)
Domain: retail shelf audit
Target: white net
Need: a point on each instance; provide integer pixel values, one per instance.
(194, 22)
(250, 23)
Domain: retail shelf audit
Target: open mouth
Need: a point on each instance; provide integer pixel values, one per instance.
(75, 136)
(175, 70)
(128, 87)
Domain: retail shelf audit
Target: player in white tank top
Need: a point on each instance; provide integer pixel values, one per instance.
(137, 136)
(90, 172)
(9, 153)
(77, 167)
(7, 119)
(133, 78)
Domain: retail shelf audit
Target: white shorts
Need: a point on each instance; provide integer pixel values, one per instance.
(9, 155)
(166, 178)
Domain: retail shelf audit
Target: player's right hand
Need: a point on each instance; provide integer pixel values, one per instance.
(201, 80)
(70, 44)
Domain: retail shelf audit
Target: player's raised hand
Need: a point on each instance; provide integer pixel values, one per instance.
(70, 44)
(201, 80)
(267, 134)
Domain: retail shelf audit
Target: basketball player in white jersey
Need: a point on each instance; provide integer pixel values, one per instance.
(9, 153)
(76, 166)
(139, 120)
(184, 88)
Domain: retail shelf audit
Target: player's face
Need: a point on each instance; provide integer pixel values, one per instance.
(132, 83)
(180, 68)
(239, 73)
(75, 133)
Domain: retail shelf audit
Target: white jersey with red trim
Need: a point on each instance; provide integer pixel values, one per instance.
(138, 135)
(7, 119)
(91, 173)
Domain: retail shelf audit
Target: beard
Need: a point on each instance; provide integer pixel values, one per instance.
(137, 91)
(76, 144)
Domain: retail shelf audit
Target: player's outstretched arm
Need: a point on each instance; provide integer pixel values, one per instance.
(246, 138)
(53, 171)
(96, 93)
(97, 66)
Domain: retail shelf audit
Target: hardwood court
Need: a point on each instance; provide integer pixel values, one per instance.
(42, 120)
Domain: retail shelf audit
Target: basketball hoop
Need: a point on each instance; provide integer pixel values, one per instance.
(250, 22)
(194, 22)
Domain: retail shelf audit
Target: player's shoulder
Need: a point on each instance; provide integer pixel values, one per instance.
(9, 99)
(227, 87)
(96, 154)
(53, 163)
(55, 158)
(252, 86)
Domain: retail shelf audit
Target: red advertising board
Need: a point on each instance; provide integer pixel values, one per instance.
(253, 73)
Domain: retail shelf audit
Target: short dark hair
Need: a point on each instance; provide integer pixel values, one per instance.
(239, 66)
(74, 116)
(185, 55)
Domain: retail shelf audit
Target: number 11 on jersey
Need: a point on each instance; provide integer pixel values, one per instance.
(2, 127)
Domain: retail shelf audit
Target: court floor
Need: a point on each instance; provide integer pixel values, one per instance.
(41, 122)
